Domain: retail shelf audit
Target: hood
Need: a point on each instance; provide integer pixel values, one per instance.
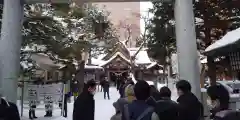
(129, 91)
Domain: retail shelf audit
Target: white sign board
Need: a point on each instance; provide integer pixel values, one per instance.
(33, 92)
(46, 93)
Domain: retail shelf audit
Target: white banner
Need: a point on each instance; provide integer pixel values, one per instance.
(47, 93)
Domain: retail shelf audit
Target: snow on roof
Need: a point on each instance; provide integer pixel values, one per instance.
(93, 67)
(230, 38)
(142, 57)
(114, 56)
(153, 64)
(86, 66)
(96, 61)
(41, 58)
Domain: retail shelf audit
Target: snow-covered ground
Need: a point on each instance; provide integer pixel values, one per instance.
(103, 108)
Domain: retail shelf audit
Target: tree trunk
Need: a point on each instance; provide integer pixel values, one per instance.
(202, 76)
(211, 70)
(208, 41)
(164, 76)
(80, 76)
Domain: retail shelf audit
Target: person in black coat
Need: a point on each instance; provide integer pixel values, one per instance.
(190, 108)
(101, 84)
(154, 96)
(84, 106)
(8, 110)
(218, 101)
(165, 108)
(106, 86)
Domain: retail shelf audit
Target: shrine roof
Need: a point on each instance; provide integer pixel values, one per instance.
(153, 64)
(120, 47)
(142, 57)
(114, 56)
(230, 39)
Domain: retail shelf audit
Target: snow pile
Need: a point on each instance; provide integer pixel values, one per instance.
(230, 38)
(103, 108)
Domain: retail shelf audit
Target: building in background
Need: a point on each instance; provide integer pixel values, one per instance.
(125, 16)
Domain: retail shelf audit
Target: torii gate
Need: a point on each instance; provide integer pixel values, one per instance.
(10, 43)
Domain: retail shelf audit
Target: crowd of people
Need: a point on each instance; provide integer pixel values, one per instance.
(142, 101)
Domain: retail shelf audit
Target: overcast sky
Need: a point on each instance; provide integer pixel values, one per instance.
(144, 6)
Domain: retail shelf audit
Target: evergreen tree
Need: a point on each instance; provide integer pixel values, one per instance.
(213, 19)
(161, 34)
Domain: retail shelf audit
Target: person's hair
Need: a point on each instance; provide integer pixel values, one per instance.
(165, 92)
(142, 90)
(219, 92)
(184, 86)
(91, 83)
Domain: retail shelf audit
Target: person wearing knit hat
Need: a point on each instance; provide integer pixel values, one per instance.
(129, 93)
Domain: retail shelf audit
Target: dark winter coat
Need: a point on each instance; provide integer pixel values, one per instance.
(84, 106)
(166, 109)
(189, 107)
(227, 115)
(223, 113)
(106, 86)
(135, 109)
(152, 100)
(122, 90)
(8, 111)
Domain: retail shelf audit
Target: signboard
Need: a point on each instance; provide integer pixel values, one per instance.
(47, 93)
(32, 92)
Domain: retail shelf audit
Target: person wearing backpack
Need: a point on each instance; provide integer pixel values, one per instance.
(139, 109)
(218, 101)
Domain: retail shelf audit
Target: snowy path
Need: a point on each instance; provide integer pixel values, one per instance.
(103, 108)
